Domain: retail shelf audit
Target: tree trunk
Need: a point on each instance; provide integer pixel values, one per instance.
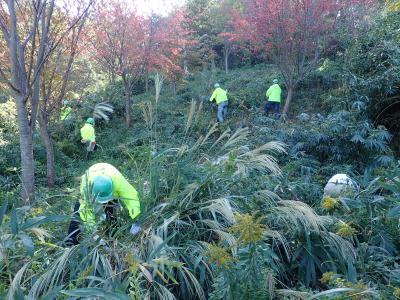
(213, 67)
(146, 79)
(127, 110)
(48, 143)
(288, 100)
(26, 149)
(185, 62)
(127, 105)
(226, 58)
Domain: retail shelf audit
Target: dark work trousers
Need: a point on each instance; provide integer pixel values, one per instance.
(90, 147)
(74, 229)
(276, 106)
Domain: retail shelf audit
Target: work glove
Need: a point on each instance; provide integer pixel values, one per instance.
(135, 229)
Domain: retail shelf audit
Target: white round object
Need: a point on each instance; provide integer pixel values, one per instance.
(338, 185)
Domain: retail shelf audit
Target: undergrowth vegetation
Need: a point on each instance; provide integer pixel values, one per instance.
(229, 211)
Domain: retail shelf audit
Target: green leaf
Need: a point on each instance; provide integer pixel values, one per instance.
(14, 221)
(34, 222)
(86, 293)
(3, 210)
(331, 292)
(52, 294)
(351, 271)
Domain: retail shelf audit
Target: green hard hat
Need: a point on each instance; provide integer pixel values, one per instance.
(102, 189)
(275, 81)
(216, 85)
(90, 121)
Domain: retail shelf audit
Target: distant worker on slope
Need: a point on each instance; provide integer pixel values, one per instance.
(221, 99)
(88, 135)
(103, 189)
(274, 97)
(65, 111)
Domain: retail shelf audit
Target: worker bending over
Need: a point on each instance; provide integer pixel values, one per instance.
(103, 185)
(88, 136)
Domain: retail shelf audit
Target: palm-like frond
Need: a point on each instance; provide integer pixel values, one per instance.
(53, 276)
(102, 111)
(296, 215)
(238, 137)
(260, 159)
(16, 282)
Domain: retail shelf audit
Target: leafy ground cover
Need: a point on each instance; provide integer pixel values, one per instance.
(230, 211)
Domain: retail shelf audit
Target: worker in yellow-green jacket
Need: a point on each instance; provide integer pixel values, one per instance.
(65, 111)
(88, 135)
(274, 96)
(221, 98)
(103, 189)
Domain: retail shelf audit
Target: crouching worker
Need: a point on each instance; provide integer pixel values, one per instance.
(104, 187)
(88, 136)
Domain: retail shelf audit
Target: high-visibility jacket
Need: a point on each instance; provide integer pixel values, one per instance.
(274, 93)
(65, 113)
(219, 95)
(123, 191)
(87, 133)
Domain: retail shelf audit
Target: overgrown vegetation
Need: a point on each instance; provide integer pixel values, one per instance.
(229, 211)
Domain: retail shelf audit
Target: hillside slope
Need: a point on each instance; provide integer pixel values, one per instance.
(224, 207)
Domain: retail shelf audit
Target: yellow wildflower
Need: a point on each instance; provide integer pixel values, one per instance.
(36, 211)
(249, 228)
(131, 262)
(396, 293)
(330, 203)
(345, 230)
(218, 255)
(327, 277)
